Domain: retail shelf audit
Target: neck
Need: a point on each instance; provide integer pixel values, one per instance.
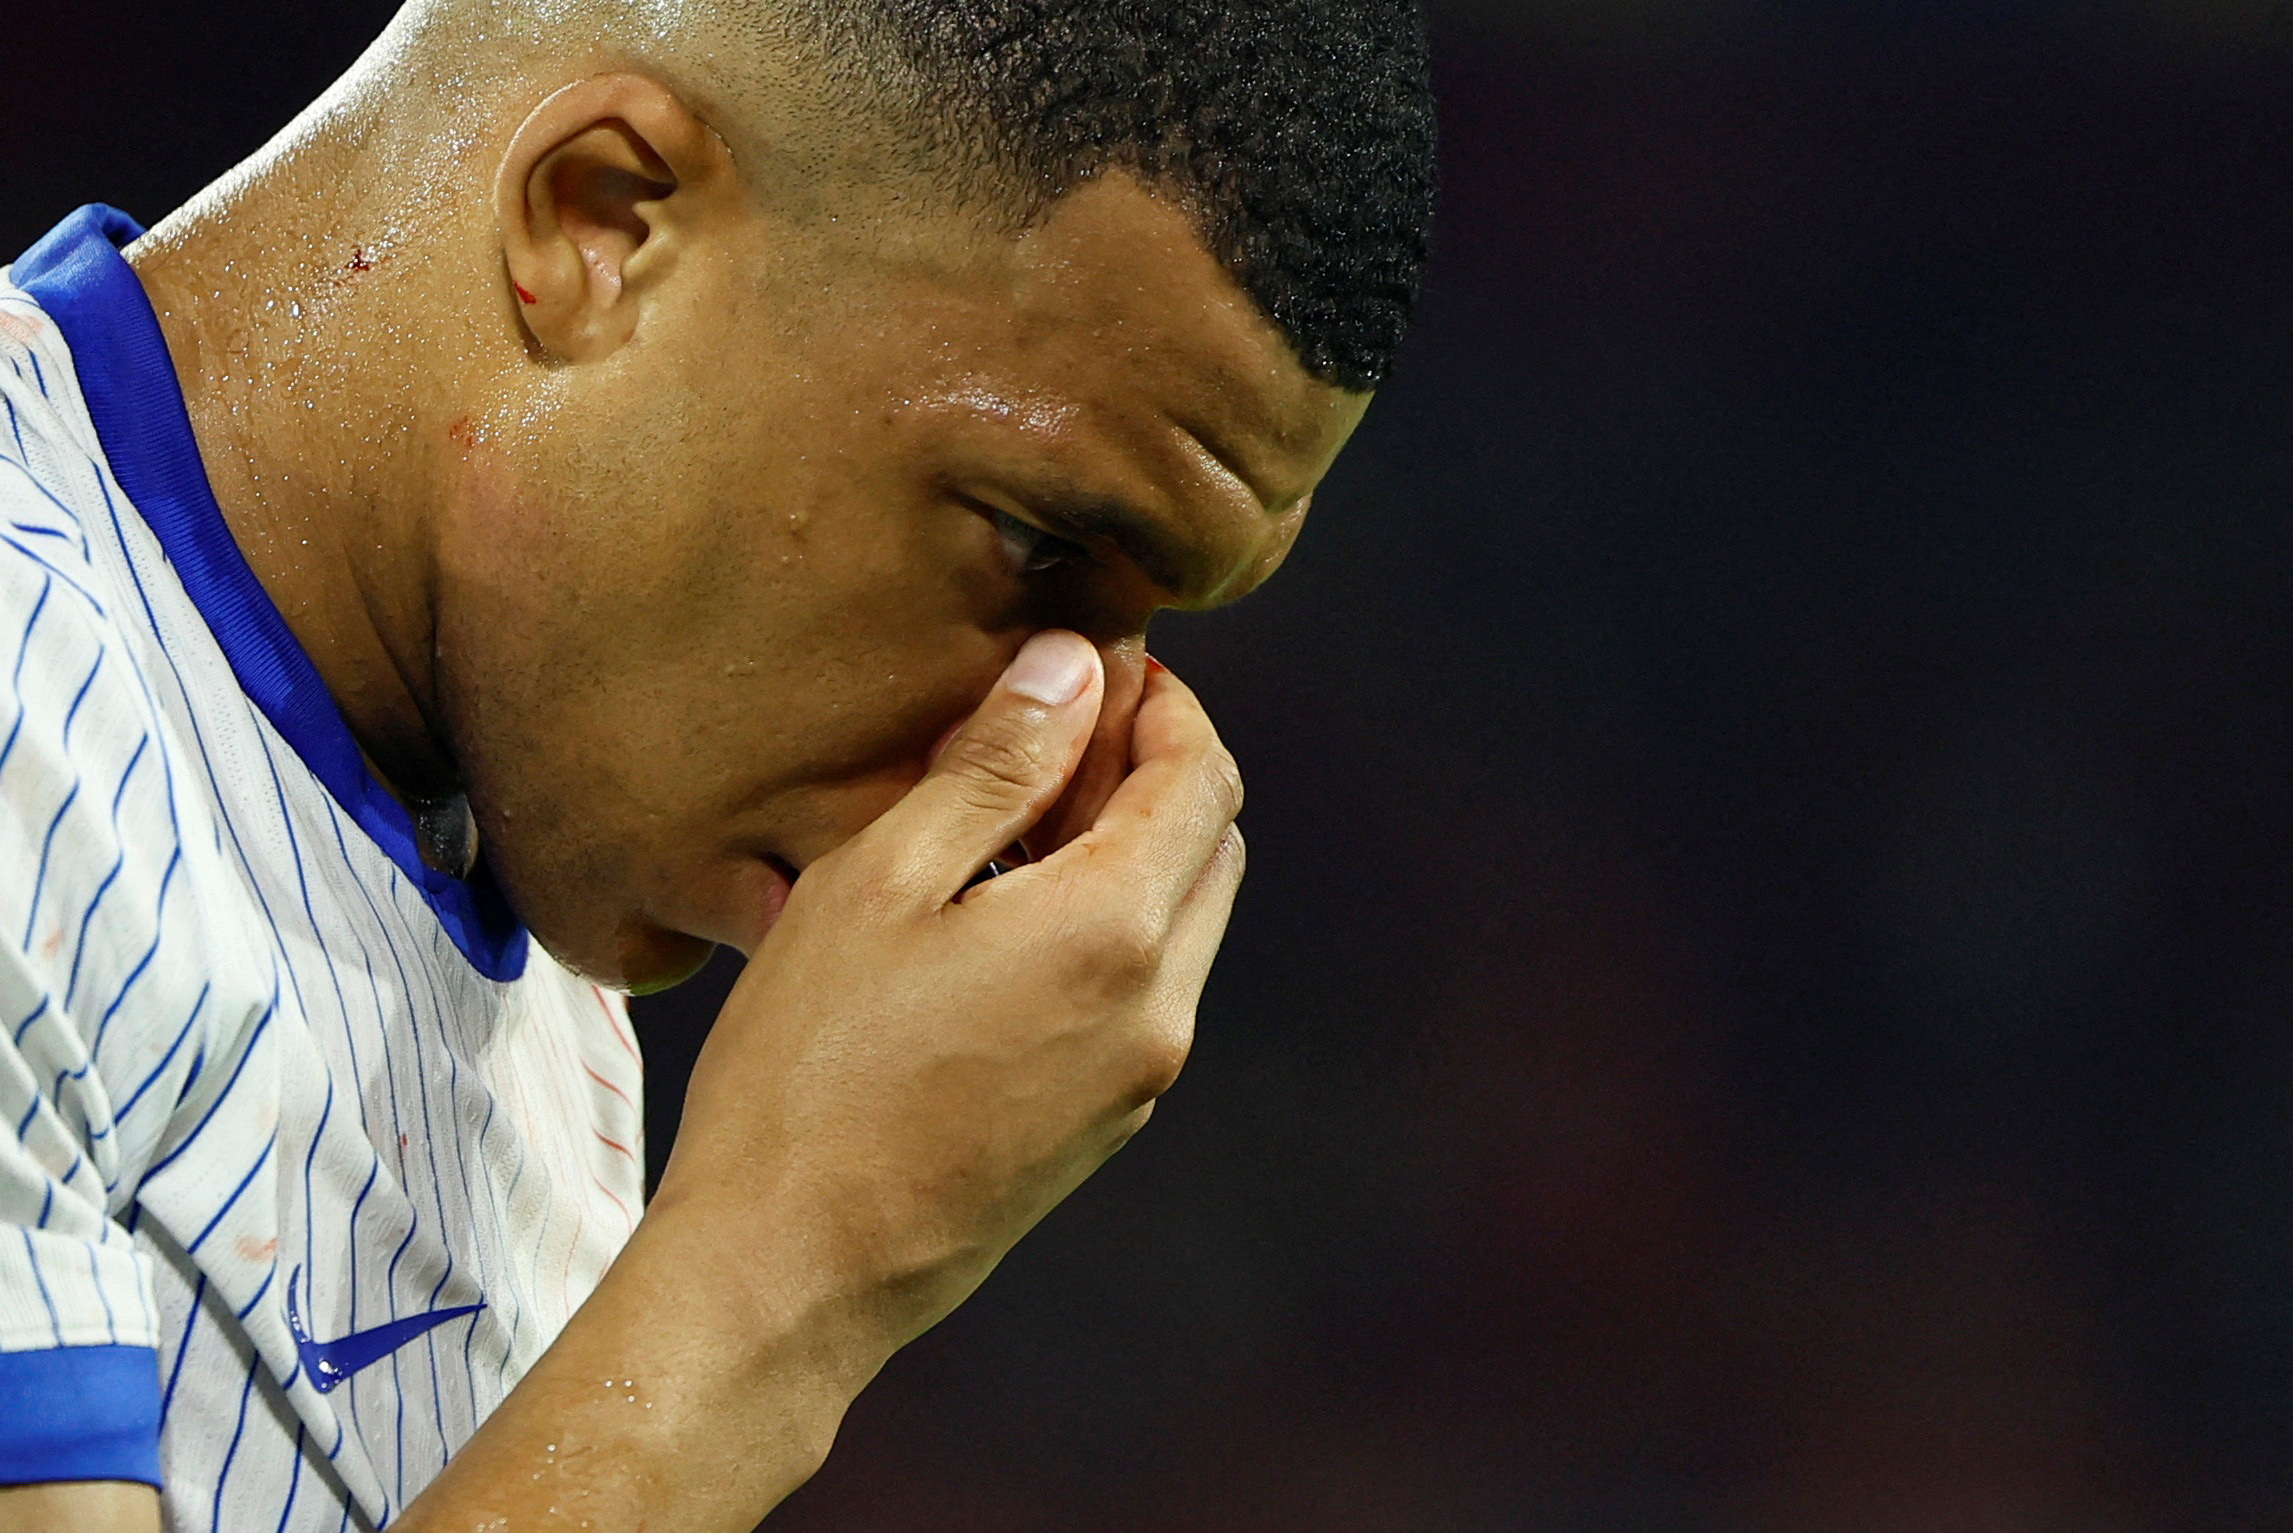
(309, 316)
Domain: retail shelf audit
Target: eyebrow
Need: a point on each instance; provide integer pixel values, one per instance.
(1180, 567)
(1169, 561)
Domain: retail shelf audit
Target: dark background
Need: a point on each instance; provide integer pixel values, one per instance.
(1761, 1002)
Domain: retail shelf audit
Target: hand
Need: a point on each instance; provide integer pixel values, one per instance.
(910, 1075)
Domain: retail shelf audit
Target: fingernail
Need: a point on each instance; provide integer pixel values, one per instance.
(1052, 669)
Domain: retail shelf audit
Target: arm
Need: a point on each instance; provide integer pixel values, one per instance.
(100, 1507)
(903, 1083)
(86, 811)
(906, 1079)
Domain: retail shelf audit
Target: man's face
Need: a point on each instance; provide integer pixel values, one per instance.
(707, 605)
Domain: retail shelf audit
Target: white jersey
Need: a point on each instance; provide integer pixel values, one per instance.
(307, 1151)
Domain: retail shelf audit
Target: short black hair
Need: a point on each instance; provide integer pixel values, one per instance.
(1299, 133)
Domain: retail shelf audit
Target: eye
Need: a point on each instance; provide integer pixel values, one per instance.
(1034, 551)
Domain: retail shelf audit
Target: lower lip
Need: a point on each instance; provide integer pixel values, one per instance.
(778, 885)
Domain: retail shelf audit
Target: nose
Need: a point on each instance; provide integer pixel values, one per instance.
(1107, 759)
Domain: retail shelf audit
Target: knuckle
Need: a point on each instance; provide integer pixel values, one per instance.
(1222, 777)
(890, 891)
(1121, 954)
(863, 884)
(1160, 1061)
(1233, 855)
(996, 764)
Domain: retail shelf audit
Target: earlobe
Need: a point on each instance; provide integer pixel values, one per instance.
(589, 199)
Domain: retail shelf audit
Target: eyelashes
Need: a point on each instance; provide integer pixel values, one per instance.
(1032, 550)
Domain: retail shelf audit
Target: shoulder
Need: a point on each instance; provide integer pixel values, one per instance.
(74, 701)
(104, 848)
(52, 479)
(102, 843)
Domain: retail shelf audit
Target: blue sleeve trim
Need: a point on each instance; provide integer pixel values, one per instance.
(79, 1413)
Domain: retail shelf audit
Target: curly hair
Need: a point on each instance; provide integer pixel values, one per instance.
(1300, 134)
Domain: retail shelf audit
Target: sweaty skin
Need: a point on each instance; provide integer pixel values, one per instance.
(681, 569)
(676, 505)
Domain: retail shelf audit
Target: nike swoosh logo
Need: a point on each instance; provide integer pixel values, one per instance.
(330, 1362)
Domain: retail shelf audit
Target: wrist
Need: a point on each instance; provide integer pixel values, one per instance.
(701, 1384)
(772, 1297)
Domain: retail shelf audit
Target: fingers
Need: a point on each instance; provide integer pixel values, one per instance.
(1108, 759)
(1197, 928)
(1199, 924)
(993, 780)
(1167, 821)
(1173, 981)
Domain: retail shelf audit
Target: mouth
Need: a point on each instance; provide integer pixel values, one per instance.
(780, 881)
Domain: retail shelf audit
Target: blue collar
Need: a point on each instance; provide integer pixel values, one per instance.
(79, 277)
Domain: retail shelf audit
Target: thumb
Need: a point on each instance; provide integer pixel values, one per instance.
(1003, 769)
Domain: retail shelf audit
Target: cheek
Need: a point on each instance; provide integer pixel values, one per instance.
(677, 622)
(706, 650)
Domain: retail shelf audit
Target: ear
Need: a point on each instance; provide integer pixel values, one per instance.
(599, 193)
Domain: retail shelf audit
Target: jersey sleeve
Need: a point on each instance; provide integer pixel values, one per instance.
(98, 1041)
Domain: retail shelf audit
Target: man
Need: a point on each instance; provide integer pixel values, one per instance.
(613, 479)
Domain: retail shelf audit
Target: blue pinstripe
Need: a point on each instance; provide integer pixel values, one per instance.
(414, 1222)
(87, 916)
(166, 882)
(183, 1346)
(430, 1140)
(237, 1192)
(291, 905)
(111, 1321)
(430, 1143)
(32, 1255)
(16, 679)
(356, 1208)
(255, 1298)
(253, 1039)
(397, 1130)
(25, 1026)
(77, 537)
(295, 1484)
(48, 842)
(168, 1058)
(40, 559)
(310, 1221)
(47, 850)
(223, 1478)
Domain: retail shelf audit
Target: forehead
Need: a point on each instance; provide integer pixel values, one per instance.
(1113, 282)
(1104, 354)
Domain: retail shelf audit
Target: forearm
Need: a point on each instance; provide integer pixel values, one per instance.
(912, 1071)
(98, 1507)
(693, 1392)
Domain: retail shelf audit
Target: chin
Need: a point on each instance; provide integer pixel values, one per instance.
(619, 939)
(639, 959)
(667, 961)
(654, 984)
